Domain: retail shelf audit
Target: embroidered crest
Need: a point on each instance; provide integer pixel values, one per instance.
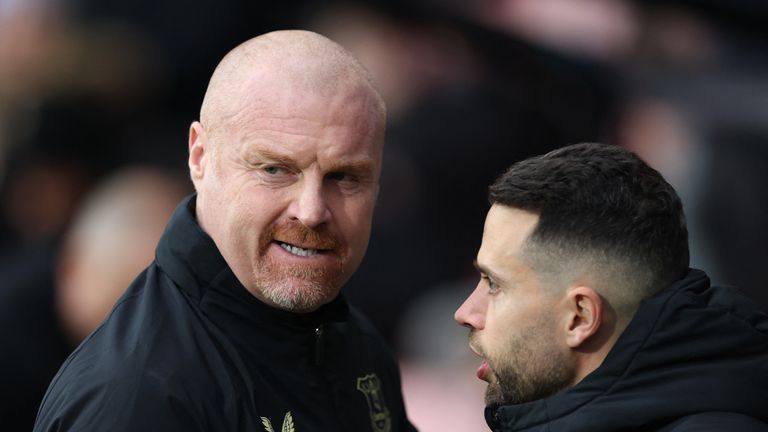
(370, 386)
(287, 424)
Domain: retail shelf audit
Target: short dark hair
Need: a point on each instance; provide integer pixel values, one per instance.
(605, 201)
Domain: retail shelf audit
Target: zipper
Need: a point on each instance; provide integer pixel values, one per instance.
(319, 352)
(322, 375)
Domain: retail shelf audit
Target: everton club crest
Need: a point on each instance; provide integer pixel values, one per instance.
(370, 386)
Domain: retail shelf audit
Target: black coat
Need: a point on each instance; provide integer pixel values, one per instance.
(188, 348)
(694, 358)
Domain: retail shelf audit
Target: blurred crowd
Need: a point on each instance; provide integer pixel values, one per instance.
(96, 97)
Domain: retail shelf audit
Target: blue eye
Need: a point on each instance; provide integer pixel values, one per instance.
(274, 170)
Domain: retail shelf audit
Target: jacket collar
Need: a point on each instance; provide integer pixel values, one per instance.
(191, 259)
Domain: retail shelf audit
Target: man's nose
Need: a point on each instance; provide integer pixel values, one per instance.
(310, 207)
(472, 312)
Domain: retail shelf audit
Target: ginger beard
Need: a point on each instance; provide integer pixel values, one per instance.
(292, 284)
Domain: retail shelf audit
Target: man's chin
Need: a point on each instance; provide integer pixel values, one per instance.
(300, 296)
(493, 395)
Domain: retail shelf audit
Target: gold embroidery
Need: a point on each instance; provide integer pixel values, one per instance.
(267, 424)
(287, 424)
(370, 386)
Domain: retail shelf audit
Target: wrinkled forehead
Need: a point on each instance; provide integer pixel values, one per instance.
(344, 125)
(351, 109)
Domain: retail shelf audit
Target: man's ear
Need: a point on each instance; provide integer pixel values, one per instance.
(198, 151)
(584, 312)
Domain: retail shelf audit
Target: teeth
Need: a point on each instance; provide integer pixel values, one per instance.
(298, 251)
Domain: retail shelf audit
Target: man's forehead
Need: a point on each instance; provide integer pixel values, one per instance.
(340, 129)
(284, 73)
(510, 223)
(505, 233)
(271, 90)
(276, 116)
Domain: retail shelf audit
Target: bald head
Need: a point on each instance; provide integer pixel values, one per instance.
(290, 141)
(288, 62)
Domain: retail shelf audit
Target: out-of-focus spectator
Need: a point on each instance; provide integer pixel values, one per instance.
(47, 309)
(68, 92)
(111, 241)
(601, 29)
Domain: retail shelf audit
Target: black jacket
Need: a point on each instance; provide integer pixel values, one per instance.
(694, 358)
(188, 348)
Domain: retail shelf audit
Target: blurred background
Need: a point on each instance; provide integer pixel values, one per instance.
(96, 97)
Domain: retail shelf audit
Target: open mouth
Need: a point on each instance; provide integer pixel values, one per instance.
(484, 369)
(298, 251)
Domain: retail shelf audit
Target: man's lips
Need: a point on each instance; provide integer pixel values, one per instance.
(302, 255)
(297, 250)
(301, 251)
(483, 369)
(305, 247)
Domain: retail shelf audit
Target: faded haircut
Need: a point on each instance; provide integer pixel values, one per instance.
(602, 211)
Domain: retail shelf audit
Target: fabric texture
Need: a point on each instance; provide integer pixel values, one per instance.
(188, 348)
(694, 357)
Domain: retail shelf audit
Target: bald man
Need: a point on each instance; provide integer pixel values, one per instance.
(238, 324)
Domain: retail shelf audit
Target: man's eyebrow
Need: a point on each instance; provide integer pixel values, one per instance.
(356, 167)
(273, 156)
(484, 270)
(495, 277)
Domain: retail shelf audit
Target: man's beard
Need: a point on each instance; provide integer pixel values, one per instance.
(529, 368)
(296, 287)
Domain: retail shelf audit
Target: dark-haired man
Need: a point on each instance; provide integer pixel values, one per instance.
(587, 316)
(238, 325)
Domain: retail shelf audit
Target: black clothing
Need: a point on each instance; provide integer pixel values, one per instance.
(694, 357)
(33, 343)
(188, 348)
